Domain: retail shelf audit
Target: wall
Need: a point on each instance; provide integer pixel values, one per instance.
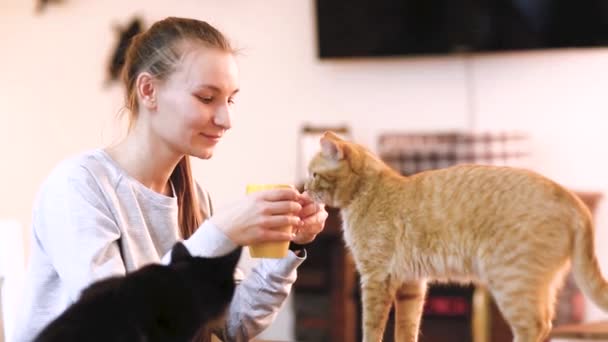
(559, 99)
(54, 104)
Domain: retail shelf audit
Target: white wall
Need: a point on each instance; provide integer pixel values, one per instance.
(559, 98)
(53, 103)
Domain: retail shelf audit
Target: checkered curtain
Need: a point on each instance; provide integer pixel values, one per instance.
(410, 153)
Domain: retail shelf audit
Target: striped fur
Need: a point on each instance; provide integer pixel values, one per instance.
(511, 229)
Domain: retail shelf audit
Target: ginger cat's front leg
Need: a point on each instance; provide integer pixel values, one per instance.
(377, 298)
(409, 303)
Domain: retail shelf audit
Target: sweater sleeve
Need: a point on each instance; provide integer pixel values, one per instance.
(207, 241)
(77, 231)
(260, 294)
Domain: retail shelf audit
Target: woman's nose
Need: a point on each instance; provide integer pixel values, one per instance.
(222, 117)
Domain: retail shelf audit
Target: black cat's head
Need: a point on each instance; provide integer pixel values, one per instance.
(211, 278)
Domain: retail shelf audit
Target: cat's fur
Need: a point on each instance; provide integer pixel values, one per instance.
(511, 229)
(172, 302)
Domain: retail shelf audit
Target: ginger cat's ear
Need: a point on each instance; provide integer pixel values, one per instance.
(331, 135)
(331, 148)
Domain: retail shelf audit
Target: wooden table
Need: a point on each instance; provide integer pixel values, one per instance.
(593, 331)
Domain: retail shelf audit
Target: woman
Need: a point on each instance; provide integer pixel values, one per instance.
(113, 210)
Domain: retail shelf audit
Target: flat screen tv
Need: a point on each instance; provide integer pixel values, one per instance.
(368, 28)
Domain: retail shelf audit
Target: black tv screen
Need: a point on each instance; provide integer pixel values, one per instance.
(365, 28)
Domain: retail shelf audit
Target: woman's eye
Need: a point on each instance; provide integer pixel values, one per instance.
(205, 99)
(231, 100)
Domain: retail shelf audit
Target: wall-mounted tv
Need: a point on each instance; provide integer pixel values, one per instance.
(368, 28)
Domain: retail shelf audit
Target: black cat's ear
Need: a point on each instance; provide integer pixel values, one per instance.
(331, 146)
(179, 253)
(232, 259)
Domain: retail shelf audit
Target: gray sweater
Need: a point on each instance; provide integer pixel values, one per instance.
(91, 220)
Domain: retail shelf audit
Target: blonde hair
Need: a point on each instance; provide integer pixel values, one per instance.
(158, 51)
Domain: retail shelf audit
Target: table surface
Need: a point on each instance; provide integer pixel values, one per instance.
(590, 331)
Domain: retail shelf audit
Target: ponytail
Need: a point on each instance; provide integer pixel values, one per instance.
(190, 215)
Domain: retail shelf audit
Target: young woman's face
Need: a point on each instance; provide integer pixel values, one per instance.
(194, 104)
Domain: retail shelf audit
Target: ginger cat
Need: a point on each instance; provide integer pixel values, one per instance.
(510, 229)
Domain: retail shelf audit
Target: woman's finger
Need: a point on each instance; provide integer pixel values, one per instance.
(283, 194)
(310, 209)
(305, 198)
(282, 207)
(273, 235)
(316, 222)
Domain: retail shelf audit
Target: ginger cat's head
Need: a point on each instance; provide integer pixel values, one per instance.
(339, 169)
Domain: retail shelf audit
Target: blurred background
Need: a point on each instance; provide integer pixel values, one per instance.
(377, 68)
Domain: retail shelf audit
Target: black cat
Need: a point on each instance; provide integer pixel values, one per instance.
(172, 302)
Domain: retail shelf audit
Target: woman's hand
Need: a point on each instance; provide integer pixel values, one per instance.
(313, 216)
(257, 217)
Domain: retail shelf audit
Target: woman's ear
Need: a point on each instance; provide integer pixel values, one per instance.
(146, 90)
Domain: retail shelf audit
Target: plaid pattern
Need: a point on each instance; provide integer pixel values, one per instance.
(410, 153)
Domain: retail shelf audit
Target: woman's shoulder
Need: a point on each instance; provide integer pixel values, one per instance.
(89, 168)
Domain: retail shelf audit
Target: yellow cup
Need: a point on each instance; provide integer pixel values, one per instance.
(275, 250)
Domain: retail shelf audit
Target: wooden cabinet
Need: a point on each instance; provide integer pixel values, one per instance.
(325, 303)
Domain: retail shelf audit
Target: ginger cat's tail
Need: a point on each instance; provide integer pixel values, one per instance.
(585, 266)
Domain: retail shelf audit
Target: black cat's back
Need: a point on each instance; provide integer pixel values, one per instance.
(102, 312)
(155, 303)
(83, 321)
